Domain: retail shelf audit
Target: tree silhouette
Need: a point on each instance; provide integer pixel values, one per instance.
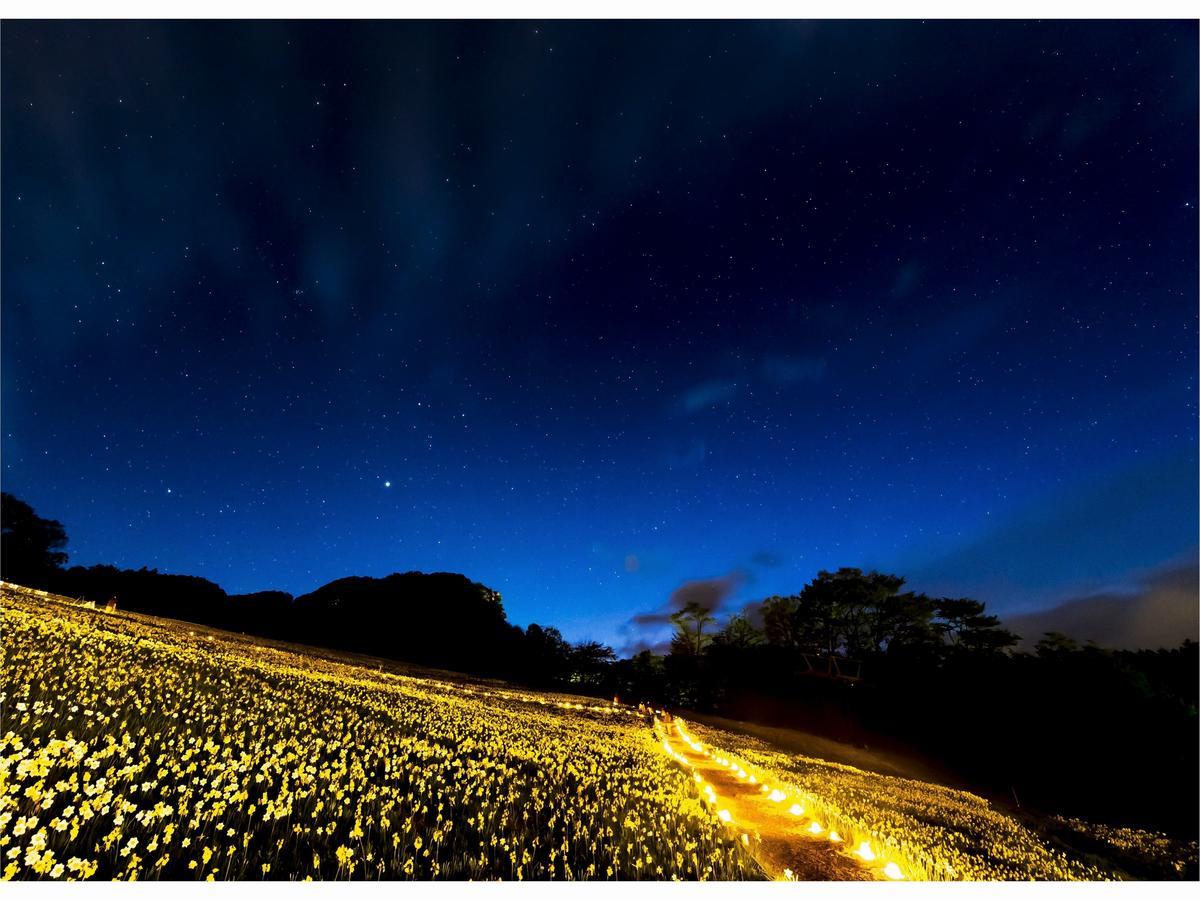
(967, 627)
(589, 662)
(30, 546)
(689, 622)
(1055, 644)
(739, 634)
(783, 624)
(546, 655)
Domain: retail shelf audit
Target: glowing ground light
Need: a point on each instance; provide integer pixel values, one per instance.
(863, 850)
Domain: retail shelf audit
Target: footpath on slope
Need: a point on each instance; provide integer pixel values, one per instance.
(780, 838)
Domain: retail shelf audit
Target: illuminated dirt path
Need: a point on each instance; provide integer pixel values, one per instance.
(777, 837)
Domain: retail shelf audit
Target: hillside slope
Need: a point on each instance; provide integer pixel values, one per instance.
(143, 748)
(137, 747)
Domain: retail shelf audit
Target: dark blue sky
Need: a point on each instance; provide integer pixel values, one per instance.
(588, 311)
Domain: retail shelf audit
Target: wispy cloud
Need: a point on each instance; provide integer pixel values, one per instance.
(711, 593)
(687, 456)
(1162, 611)
(785, 370)
(708, 393)
(773, 370)
(768, 559)
(1069, 541)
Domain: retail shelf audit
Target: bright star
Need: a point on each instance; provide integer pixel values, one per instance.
(387, 484)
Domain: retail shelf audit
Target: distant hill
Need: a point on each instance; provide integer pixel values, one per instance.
(440, 619)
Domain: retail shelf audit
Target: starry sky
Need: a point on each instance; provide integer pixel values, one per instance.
(602, 313)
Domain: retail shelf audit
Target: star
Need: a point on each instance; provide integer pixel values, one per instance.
(387, 484)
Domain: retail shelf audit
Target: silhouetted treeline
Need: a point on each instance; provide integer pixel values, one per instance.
(441, 619)
(1076, 730)
(30, 546)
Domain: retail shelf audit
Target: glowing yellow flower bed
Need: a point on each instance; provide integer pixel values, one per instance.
(138, 748)
(934, 832)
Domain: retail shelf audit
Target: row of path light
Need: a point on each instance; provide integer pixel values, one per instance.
(864, 851)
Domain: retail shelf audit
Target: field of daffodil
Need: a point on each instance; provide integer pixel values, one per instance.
(924, 831)
(1150, 854)
(136, 748)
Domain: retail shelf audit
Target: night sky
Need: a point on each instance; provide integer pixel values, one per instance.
(590, 311)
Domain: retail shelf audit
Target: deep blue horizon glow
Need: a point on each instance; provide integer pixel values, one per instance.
(587, 311)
